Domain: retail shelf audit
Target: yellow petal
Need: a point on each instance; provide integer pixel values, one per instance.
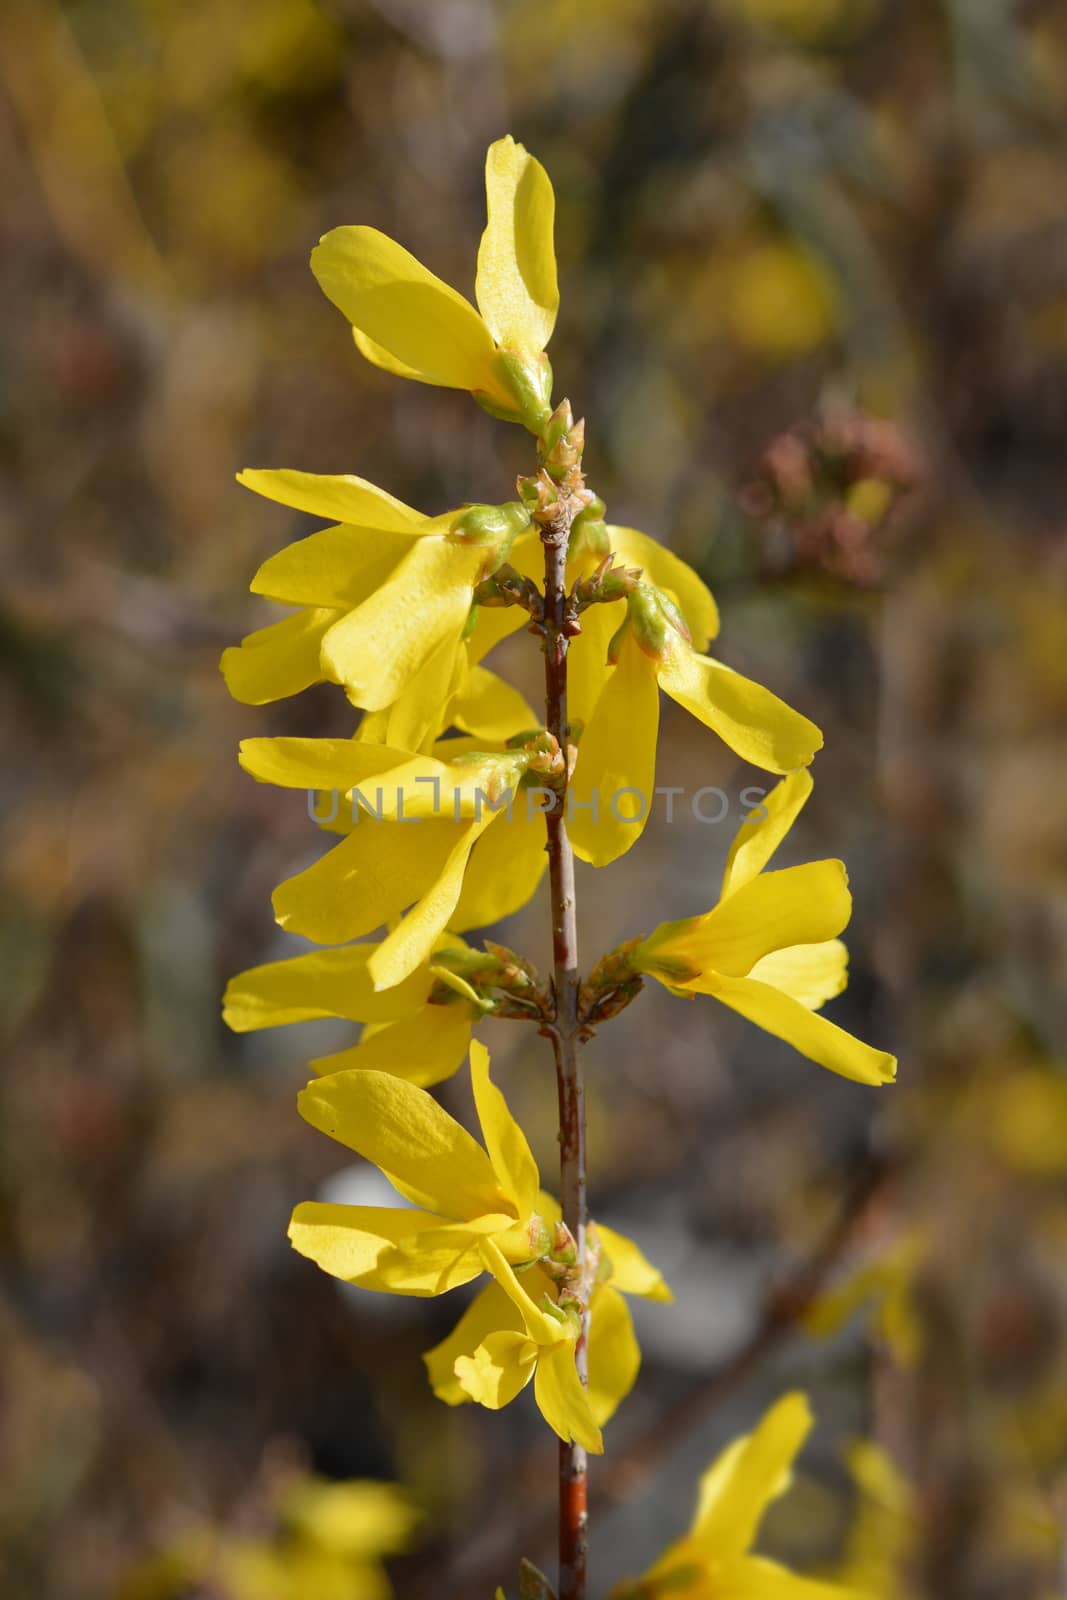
(340, 764)
(413, 940)
(322, 983)
(337, 567)
(798, 905)
(377, 649)
(490, 708)
(811, 973)
(562, 1401)
(739, 1486)
(358, 1520)
(756, 1578)
(755, 842)
(632, 1272)
(278, 661)
(813, 1035)
(408, 313)
(489, 1312)
(339, 497)
(438, 1258)
(424, 1048)
(498, 1370)
(516, 285)
(543, 1329)
(426, 1155)
(514, 1165)
(612, 791)
(614, 1354)
(505, 869)
(667, 571)
(366, 881)
(755, 724)
(417, 716)
(350, 1242)
(588, 668)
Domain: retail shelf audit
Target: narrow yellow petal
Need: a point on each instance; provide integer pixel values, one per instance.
(739, 1486)
(813, 1035)
(516, 286)
(413, 940)
(489, 1312)
(588, 668)
(322, 983)
(365, 881)
(667, 571)
(755, 724)
(505, 869)
(811, 973)
(756, 1578)
(632, 1272)
(755, 842)
(339, 497)
(614, 1354)
(424, 1152)
(340, 764)
(408, 313)
(337, 567)
(278, 661)
(376, 650)
(612, 791)
(513, 1163)
(773, 911)
(438, 1258)
(415, 717)
(349, 1241)
(563, 1402)
(498, 1370)
(424, 1048)
(490, 708)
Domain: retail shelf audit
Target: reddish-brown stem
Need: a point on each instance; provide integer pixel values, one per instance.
(564, 1032)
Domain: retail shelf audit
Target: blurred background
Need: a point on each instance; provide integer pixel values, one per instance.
(813, 258)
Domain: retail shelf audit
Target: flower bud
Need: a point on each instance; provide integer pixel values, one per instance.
(533, 1585)
(489, 525)
(528, 381)
(655, 620)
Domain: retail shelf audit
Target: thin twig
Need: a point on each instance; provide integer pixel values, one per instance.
(564, 1033)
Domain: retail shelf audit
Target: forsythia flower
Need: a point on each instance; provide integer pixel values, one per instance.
(883, 1532)
(460, 842)
(886, 1286)
(713, 1561)
(769, 948)
(406, 320)
(479, 1210)
(652, 650)
(490, 1353)
(419, 1030)
(385, 593)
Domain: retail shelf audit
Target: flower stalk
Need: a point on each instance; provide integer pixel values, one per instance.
(555, 520)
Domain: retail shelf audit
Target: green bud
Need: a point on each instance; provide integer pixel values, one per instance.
(540, 1236)
(655, 620)
(533, 1585)
(489, 525)
(528, 379)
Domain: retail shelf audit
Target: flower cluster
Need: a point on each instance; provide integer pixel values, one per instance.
(445, 779)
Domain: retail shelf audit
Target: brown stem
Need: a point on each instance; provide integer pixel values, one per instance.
(564, 1032)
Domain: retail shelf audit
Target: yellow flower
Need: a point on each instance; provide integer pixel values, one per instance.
(886, 1286)
(614, 781)
(477, 1209)
(419, 1030)
(411, 323)
(460, 842)
(714, 1560)
(492, 1352)
(385, 594)
(884, 1529)
(769, 948)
